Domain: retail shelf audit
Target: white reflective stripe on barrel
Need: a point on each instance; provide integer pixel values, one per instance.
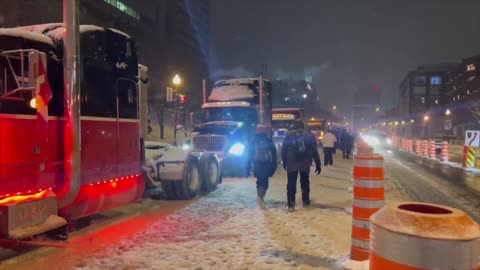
(425, 253)
(369, 203)
(369, 183)
(364, 224)
(360, 243)
(368, 163)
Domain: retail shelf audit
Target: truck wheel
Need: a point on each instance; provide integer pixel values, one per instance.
(210, 172)
(168, 188)
(189, 186)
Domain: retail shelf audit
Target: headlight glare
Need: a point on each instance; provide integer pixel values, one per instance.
(237, 149)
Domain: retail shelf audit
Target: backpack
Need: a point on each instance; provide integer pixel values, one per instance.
(262, 153)
(299, 145)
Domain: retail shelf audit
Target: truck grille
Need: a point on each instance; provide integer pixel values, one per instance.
(209, 142)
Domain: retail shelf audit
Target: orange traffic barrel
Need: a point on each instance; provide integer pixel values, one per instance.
(368, 198)
(432, 150)
(418, 147)
(420, 236)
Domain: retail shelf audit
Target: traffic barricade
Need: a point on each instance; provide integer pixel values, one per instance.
(368, 197)
(469, 157)
(432, 150)
(410, 146)
(445, 151)
(418, 147)
(425, 148)
(420, 236)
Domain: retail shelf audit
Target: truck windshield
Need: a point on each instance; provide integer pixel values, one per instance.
(238, 114)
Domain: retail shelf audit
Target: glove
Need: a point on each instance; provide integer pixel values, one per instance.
(318, 170)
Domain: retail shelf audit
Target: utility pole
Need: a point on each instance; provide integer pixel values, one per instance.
(71, 73)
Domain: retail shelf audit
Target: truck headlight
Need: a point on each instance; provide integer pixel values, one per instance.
(237, 149)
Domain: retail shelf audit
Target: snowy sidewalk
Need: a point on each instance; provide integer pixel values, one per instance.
(227, 230)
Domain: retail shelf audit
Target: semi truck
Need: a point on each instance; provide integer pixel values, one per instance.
(235, 111)
(73, 130)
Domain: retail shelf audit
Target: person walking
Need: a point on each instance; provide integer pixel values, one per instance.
(298, 150)
(264, 164)
(349, 141)
(344, 141)
(329, 141)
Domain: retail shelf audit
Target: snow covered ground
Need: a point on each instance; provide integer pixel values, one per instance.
(227, 230)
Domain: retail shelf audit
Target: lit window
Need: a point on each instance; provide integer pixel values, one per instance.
(436, 80)
(468, 92)
(124, 8)
(471, 67)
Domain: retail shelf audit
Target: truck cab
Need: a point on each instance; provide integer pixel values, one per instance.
(236, 110)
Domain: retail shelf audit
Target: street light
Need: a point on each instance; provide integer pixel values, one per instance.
(334, 107)
(403, 122)
(426, 118)
(176, 80)
(448, 112)
(412, 121)
(377, 109)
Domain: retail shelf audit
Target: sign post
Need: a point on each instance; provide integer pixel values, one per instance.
(472, 141)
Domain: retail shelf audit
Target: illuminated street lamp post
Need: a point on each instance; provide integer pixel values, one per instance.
(177, 81)
(426, 122)
(448, 125)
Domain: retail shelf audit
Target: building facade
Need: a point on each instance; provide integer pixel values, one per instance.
(172, 36)
(422, 100)
(463, 96)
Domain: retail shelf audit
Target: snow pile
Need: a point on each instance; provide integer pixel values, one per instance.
(58, 33)
(227, 230)
(230, 92)
(17, 32)
(356, 265)
(119, 32)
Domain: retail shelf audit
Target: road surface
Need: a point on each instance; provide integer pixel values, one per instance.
(227, 230)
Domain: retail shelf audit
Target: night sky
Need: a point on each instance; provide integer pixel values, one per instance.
(343, 44)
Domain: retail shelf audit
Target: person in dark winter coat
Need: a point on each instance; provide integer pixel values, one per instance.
(264, 163)
(347, 144)
(298, 150)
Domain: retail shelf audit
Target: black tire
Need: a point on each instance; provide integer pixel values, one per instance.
(210, 172)
(168, 190)
(189, 186)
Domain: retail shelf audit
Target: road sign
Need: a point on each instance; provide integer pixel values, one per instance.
(472, 138)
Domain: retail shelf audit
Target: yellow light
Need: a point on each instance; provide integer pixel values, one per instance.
(177, 80)
(403, 122)
(426, 118)
(33, 103)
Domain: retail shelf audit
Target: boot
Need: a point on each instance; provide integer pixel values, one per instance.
(261, 196)
(306, 199)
